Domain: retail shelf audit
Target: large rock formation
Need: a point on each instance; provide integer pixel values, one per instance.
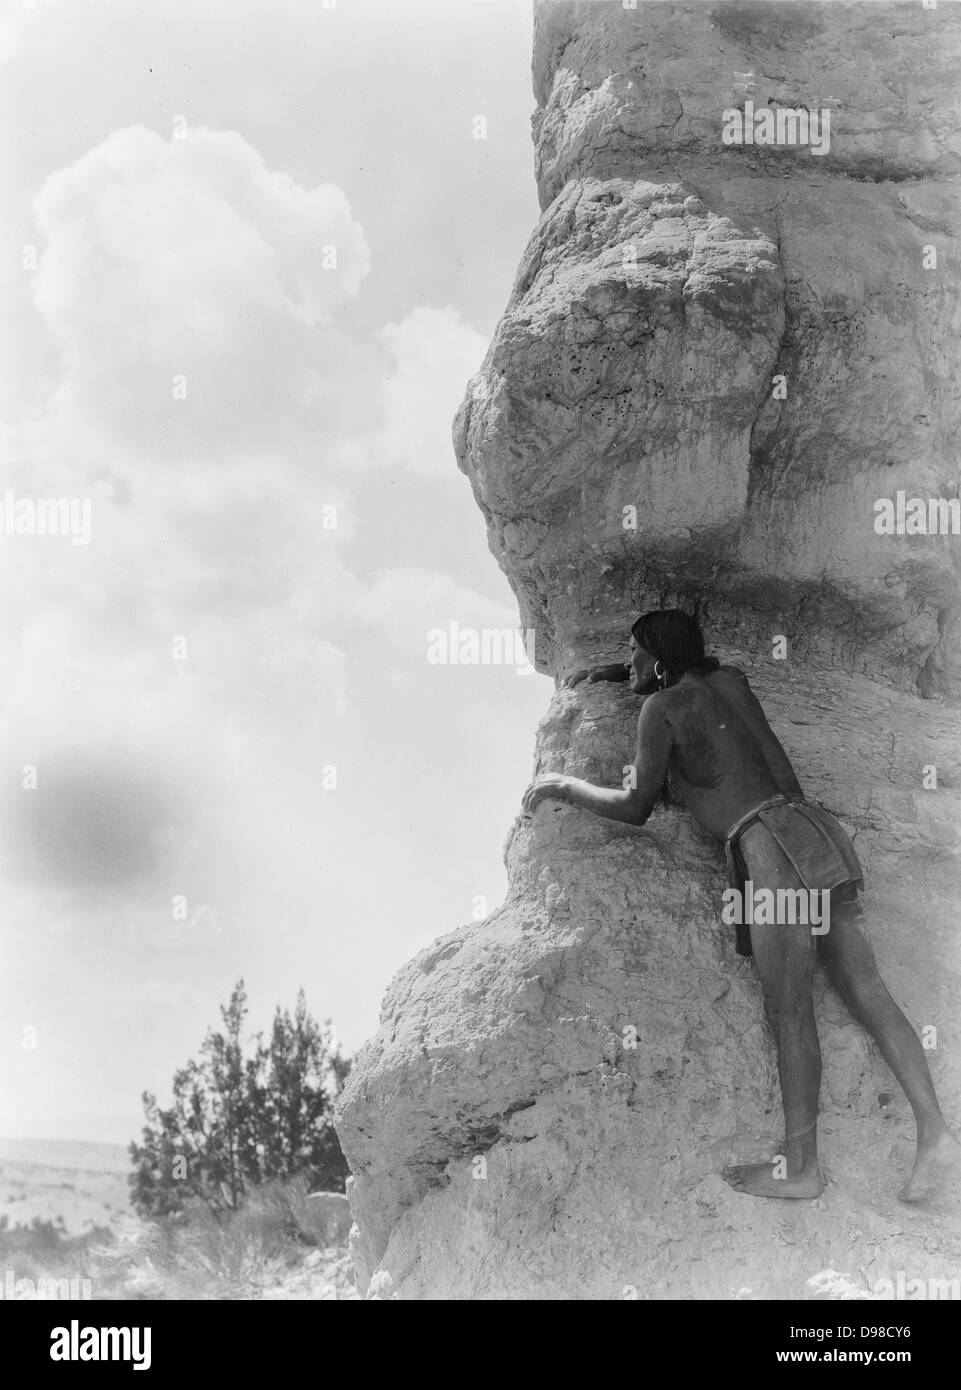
(714, 362)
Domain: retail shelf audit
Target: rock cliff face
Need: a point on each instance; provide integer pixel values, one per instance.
(715, 361)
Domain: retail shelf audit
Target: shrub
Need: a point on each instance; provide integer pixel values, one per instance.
(237, 1122)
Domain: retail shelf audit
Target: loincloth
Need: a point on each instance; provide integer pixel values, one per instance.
(813, 841)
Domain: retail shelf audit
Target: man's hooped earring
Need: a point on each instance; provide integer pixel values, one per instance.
(661, 675)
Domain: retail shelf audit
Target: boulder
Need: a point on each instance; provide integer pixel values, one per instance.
(714, 362)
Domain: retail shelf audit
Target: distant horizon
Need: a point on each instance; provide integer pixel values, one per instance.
(82, 1134)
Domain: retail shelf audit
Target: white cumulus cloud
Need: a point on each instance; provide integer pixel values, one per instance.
(184, 281)
(432, 353)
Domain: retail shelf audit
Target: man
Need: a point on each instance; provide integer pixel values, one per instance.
(702, 724)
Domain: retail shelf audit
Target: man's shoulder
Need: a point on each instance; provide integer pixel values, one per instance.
(656, 704)
(673, 705)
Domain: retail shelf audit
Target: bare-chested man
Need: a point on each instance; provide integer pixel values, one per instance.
(702, 724)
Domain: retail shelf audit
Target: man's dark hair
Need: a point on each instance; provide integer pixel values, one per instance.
(675, 639)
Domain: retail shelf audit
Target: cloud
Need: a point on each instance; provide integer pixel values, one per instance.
(184, 281)
(406, 603)
(431, 353)
(87, 823)
(179, 681)
(12, 26)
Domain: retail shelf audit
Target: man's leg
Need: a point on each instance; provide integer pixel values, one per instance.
(849, 960)
(784, 956)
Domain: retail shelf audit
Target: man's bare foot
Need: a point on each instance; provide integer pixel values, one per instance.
(759, 1180)
(936, 1167)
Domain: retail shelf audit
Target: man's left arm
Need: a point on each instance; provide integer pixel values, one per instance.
(634, 803)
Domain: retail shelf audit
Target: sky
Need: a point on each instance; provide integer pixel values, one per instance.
(253, 250)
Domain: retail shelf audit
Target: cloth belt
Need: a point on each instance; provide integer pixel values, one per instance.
(812, 841)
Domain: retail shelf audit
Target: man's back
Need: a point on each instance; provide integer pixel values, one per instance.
(726, 758)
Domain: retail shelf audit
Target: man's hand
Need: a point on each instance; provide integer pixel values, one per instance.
(550, 784)
(618, 671)
(633, 804)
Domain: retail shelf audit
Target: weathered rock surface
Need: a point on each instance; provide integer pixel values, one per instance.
(509, 1134)
(672, 277)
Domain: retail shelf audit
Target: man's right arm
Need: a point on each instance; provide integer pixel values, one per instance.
(779, 764)
(617, 672)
